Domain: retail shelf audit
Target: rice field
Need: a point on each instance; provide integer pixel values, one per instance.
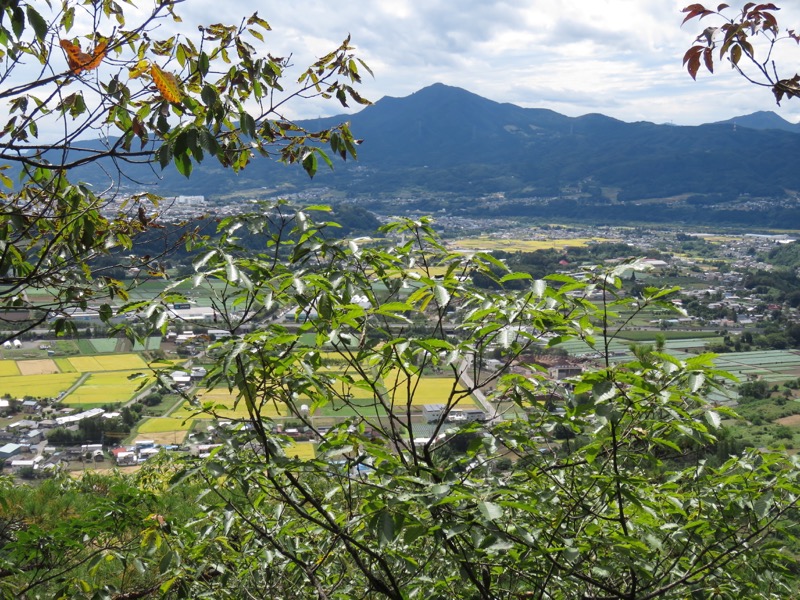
(114, 362)
(37, 367)
(105, 387)
(429, 390)
(38, 386)
(513, 245)
(301, 450)
(8, 368)
(164, 424)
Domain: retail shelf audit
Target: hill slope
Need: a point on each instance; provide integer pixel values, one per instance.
(445, 140)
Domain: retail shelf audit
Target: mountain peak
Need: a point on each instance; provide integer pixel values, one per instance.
(762, 119)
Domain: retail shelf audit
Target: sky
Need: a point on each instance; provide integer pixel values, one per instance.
(622, 58)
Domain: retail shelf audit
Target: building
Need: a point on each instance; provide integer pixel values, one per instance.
(30, 406)
(10, 450)
(432, 413)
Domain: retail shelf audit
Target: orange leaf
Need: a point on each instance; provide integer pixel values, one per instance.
(166, 83)
(81, 61)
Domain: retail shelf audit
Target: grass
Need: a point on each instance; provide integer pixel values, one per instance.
(38, 386)
(167, 403)
(103, 345)
(151, 343)
(85, 346)
(65, 366)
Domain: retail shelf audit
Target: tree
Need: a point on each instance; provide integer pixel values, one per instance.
(81, 69)
(747, 41)
(626, 508)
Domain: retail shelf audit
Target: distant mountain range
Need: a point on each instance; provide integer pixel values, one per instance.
(762, 120)
(444, 141)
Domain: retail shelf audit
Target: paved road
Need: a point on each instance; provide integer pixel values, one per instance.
(466, 380)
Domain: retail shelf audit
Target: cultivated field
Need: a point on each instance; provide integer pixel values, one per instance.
(38, 386)
(37, 367)
(105, 387)
(8, 368)
(164, 424)
(512, 245)
(114, 362)
(301, 450)
(428, 390)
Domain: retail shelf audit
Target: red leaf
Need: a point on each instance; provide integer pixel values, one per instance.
(692, 60)
(708, 59)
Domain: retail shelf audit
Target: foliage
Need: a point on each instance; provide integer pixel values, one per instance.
(626, 506)
(150, 99)
(736, 40)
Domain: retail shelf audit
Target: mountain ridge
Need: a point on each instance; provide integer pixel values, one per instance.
(446, 141)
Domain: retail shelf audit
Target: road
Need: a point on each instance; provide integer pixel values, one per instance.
(478, 395)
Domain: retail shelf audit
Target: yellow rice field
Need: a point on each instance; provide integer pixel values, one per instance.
(429, 390)
(109, 362)
(37, 367)
(38, 386)
(163, 425)
(222, 397)
(8, 368)
(101, 388)
(301, 450)
(511, 245)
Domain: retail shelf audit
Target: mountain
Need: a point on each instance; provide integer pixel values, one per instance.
(763, 119)
(444, 142)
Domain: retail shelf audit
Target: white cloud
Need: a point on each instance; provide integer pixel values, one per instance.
(618, 57)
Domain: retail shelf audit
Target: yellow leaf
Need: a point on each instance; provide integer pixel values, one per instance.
(140, 68)
(166, 83)
(81, 61)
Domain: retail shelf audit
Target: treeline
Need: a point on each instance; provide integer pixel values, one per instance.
(540, 263)
(629, 212)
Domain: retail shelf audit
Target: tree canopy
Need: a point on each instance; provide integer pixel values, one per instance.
(747, 40)
(615, 482)
(97, 82)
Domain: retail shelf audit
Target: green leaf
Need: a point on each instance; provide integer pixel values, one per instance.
(386, 532)
(310, 163)
(713, 419)
(490, 510)
(441, 294)
(183, 163)
(37, 22)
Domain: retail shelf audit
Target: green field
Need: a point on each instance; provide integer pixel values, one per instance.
(151, 343)
(65, 366)
(103, 345)
(650, 335)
